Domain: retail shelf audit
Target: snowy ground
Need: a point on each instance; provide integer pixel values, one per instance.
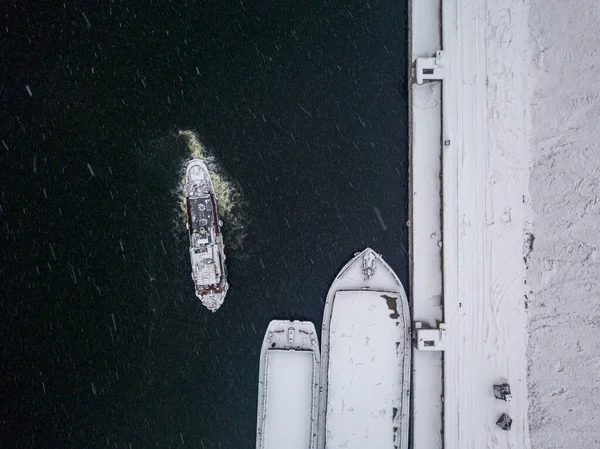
(564, 268)
(521, 180)
(484, 183)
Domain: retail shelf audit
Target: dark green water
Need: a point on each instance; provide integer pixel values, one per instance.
(302, 106)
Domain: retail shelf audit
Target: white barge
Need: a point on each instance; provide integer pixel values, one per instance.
(365, 362)
(288, 387)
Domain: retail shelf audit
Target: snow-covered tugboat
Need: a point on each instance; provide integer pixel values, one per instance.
(206, 241)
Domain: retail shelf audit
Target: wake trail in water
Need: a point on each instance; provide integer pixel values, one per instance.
(229, 198)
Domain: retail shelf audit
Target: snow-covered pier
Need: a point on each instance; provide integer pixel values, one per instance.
(469, 145)
(288, 387)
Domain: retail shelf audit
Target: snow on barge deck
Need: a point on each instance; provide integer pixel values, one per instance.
(365, 363)
(288, 387)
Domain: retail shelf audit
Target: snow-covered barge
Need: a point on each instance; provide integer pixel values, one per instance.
(288, 387)
(207, 252)
(365, 362)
